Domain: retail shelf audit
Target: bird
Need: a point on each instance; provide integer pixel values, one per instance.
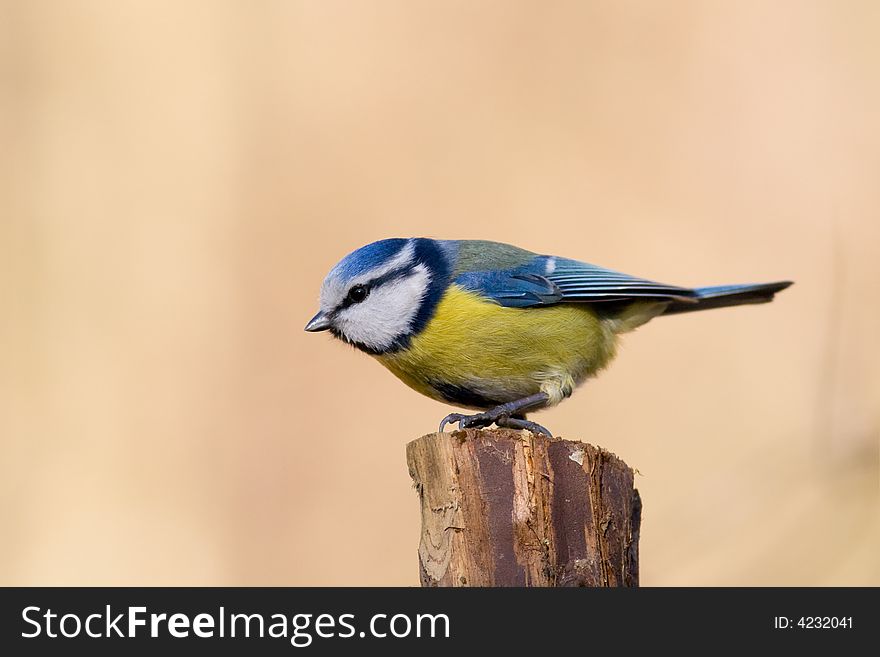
(493, 327)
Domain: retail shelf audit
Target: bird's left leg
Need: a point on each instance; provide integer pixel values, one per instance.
(504, 415)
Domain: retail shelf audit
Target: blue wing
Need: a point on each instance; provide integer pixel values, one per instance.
(515, 288)
(547, 280)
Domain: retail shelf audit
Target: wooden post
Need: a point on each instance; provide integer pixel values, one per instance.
(511, 508)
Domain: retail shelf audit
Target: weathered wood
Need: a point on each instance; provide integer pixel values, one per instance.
(511, 508)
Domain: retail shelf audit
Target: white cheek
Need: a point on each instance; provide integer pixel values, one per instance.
(388, 312)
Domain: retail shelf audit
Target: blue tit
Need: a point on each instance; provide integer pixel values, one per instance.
(493, 327)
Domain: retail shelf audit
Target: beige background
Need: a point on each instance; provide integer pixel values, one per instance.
(178, 177)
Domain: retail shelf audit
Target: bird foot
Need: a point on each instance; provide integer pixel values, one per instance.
(500, 416)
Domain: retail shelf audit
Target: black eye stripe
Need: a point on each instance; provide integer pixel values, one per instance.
(390, 276)
(373, 283)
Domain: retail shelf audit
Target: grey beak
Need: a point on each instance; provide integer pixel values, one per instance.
(319, 322)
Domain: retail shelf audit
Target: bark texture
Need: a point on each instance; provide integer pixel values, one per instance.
(511, 508)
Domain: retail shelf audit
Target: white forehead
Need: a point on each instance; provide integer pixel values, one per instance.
(337, 284)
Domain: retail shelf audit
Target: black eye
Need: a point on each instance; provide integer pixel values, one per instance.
(358, 293)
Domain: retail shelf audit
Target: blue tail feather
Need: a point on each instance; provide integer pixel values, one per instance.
(721, 296)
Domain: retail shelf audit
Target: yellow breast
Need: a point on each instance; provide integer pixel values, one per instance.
(476, 353)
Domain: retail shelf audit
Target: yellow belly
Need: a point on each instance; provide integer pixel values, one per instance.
(501, 354)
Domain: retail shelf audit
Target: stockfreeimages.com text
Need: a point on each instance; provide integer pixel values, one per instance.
(300, 629)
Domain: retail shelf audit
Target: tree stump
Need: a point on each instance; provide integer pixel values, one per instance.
(512, 508)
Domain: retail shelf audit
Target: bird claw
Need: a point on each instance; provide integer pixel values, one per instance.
(454, 418)
(477, 420)
(522, 423)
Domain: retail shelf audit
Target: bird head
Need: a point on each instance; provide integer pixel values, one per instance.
(378, 297)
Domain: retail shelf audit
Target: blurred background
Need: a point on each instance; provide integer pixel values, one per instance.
(177, 178)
